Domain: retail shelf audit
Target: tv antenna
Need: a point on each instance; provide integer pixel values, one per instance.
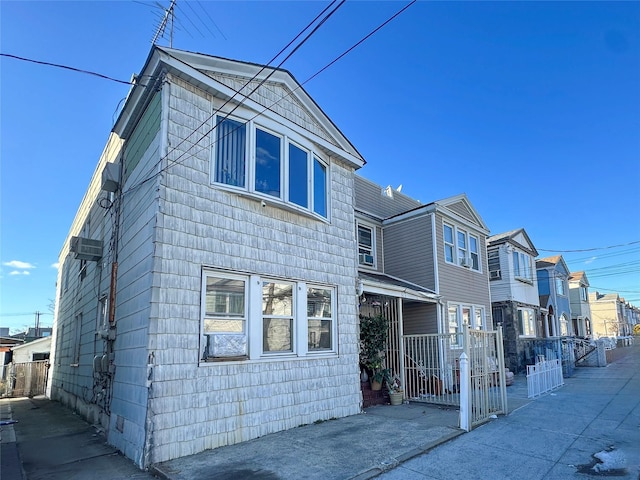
(169, 17)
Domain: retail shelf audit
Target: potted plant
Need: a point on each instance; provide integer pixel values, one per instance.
(373, 342)
(396, 394)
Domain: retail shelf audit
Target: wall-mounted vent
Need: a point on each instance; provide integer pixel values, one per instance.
(86, 248)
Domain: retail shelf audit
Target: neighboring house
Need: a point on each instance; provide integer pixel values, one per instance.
(422, 265)
(553, 289)
(7, 344)
(33, 351)
(515, 301)
(579, 300)
(607, 315)
(222, 228)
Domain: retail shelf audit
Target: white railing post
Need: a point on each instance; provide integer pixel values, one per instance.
(465, 393)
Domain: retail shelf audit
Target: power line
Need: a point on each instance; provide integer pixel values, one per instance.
(177, 162)
(173, 149)
(588, 249)
(66, 67)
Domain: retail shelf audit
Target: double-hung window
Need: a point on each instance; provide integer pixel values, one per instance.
(494, 264)
(526, 322)
(225, 320)
(278, 166)
(560, 290)
(320, 322)
(277, 317)
(365, 245)
(522, 266)
(449, 245)
(584, 296)
(465, 246)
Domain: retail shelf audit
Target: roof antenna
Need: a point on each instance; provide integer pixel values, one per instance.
(169, 16)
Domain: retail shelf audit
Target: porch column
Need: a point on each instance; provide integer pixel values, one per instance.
(403, 378)
(546, 325)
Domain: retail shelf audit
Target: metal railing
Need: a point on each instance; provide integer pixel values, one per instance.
(435, 373)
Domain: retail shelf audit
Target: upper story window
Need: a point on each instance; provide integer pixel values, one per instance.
(276, 167)
(560, 289)
(522, 266)
(466, 246)
(365, 245)
(584, 294)
(493, 257)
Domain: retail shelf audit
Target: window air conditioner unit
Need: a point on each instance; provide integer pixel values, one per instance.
(494, 274)
(226, 345)
(110, 177)
(365, 259)
(466, 262)
(86, 248)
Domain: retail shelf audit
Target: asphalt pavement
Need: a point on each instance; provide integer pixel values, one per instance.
(556, 436)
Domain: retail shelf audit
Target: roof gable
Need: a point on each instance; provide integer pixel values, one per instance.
(274, 93)
(556, 262)
(518, 238)
(460, 206)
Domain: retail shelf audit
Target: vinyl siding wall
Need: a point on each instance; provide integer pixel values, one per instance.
(71, 383)
(409, 251)
(463, 285)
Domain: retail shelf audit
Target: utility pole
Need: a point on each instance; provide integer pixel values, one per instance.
(37, 324)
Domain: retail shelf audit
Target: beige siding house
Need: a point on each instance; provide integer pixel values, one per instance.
(208, 294)
(424, 266)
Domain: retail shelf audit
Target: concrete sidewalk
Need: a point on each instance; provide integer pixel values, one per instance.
(53, 443)
(588, 428)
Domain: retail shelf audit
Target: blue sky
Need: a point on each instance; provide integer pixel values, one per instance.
(530, 108)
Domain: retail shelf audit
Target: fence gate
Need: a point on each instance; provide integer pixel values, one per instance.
(28, 379)
(435, 371)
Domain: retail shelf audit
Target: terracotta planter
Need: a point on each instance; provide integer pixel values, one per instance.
(376, 385)
(396, 398)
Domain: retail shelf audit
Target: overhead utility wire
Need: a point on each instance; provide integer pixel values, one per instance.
(588, 249)
(66, 67)
(248, 96)
(176, 161)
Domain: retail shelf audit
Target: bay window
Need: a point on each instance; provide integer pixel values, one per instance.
(230, 168)
(267, 163)
(290, 172)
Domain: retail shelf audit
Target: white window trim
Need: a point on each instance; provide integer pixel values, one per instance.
(521, 332)
(287, 136)
(473, 310)
(254, 319)
(373, 244)
(467, 249)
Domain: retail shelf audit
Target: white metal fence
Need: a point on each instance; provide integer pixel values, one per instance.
(464, 369)
(544, 376)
